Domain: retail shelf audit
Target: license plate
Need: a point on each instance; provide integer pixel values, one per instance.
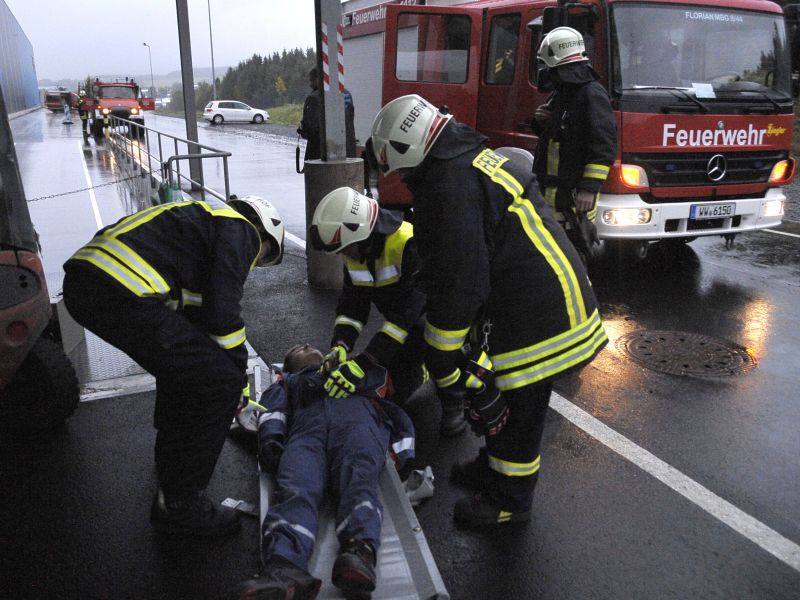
(712, 211)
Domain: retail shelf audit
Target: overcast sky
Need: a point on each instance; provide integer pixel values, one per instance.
(75, 39)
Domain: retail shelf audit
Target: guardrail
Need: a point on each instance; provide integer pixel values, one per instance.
(148, 152)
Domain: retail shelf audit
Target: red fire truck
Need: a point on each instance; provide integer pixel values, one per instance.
(55, 100)
(702, 92)
(119, 98)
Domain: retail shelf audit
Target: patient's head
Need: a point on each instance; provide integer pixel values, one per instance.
(300, 356)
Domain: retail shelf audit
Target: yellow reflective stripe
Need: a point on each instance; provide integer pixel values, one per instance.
(141, 217)
(484, 361)
(473, 383)
(449, 380)
(190, 298)
(111, 267)
(552, 253)
(594, 171)
(130, 258)
(395, 332)
(554, 366)
(548, 347)
(445, 340)
(387, 275)
(553, 151)
(230, 340)
(342, 320)
(512, 469)
(218, 208)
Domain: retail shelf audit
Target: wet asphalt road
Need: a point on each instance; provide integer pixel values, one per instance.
(692, 492)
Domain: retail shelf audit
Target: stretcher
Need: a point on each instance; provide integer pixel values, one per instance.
(405, 567)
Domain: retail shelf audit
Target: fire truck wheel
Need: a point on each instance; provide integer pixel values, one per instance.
(217, 120)
(43, 393)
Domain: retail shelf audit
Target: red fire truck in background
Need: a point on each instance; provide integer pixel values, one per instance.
(55, 100)
(119, 98)
(702, 93)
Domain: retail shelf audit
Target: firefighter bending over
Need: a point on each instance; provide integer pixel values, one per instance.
(381, 265)
(577, 136)
(164, 285)
(495, 261)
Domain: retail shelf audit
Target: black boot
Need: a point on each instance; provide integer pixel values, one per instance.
(453, 422)
(474, 474)
(194, 516)
(481, 511)
(354, 570)
(279, 580)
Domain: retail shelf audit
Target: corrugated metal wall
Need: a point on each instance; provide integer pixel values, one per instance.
(17, 68)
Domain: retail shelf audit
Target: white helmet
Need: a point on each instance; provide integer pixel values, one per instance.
(404, 132)
(267, 220)
(563, 45)
(342, 217)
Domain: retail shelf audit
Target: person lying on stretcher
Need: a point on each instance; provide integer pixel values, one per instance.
(314, 444)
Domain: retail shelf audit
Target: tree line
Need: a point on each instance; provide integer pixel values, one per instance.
(260, 81)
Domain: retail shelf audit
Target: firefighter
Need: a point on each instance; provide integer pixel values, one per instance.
(164, 285)
(499, 272)
(314, 443)
(83, 113)
(380, 268)
(577, 136)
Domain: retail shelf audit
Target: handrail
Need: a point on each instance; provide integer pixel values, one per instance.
(145, 161)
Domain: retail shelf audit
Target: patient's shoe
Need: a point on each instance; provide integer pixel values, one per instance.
(354, 570)
(279, 580)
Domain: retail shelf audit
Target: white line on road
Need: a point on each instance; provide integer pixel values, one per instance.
(95, 208)
(293, 238)
(757, 532)
(782, 233)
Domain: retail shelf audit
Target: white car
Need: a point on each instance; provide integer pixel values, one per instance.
(220, 111)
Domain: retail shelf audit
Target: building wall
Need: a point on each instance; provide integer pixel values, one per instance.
(17, 68)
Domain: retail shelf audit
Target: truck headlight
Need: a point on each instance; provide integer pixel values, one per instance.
(134, 111)
(627, 216)
(106, 111)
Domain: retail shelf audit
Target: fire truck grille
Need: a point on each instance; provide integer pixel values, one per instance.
(691, 169)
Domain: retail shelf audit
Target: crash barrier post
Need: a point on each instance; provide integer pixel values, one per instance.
(321, 177)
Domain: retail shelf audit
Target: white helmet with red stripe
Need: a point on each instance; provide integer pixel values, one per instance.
(404, 132)
(342, 217)
(563, 45)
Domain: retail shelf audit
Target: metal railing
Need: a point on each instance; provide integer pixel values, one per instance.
(147, 152)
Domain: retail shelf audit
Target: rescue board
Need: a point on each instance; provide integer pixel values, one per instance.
(405, 567)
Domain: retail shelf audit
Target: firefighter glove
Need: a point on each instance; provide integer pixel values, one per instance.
(343, 380)
(336, 356)
(269, 455)
(485, 408)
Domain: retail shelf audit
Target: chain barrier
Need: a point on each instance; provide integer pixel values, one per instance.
(86, 189)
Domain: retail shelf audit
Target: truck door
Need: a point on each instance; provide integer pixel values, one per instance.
(433, 52)
(507, 97)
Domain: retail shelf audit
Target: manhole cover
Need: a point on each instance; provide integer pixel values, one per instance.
(681, 353)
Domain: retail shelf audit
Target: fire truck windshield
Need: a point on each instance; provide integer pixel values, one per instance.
(718, 52)
(117, 91)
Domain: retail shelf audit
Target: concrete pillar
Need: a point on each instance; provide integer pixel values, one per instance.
(321, 177)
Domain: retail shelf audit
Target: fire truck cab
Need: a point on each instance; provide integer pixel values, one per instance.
(119, 98)
(702, 94)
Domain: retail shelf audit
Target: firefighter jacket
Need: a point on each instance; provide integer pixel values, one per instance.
(285, 400)
(578, 145)
(387, 277)
(491, 249)
(193, 256)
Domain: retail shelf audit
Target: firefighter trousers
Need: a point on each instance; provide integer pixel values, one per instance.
(514, 452)
(198, 386)
(334, 444)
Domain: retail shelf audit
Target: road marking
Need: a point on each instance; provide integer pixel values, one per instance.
(782, 232)
(757, 532)
(293, 238)
(90, 185)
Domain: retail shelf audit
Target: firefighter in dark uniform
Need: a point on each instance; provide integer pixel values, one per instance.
(577, 136)
(164, 285)
(380, 267)
(494, 261)
(83, 113)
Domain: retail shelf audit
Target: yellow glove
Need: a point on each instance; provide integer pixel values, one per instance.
(343, 381)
